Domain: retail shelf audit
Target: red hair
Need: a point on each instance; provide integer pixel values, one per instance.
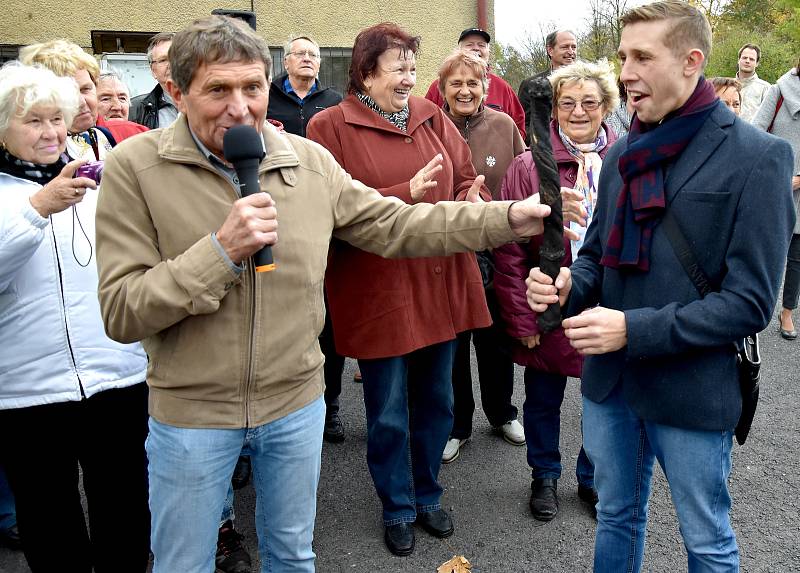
(370, 44)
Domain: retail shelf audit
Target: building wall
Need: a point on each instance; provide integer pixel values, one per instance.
(333, 23)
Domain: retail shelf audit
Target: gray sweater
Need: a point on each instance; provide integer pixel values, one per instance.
(787, 121)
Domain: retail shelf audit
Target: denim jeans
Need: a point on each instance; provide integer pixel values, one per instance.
(190, 473)
(409, 405)
(8, 515)
(696, 463)
(541, 416)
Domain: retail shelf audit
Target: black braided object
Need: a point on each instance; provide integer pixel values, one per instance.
(551, 253)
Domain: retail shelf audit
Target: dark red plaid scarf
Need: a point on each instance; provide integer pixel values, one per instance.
(642, 201)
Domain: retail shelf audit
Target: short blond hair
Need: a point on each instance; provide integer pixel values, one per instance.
(472, 62)
(25, 87)
(689, 26)
(600, 72)
(62, 57)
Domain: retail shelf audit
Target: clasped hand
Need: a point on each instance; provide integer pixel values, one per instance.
(251, 224)
(598, 330)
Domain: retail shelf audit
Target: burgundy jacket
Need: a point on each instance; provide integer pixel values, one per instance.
(513, 262)
(390, 307)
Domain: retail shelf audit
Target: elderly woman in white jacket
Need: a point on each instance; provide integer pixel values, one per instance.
(69, 395)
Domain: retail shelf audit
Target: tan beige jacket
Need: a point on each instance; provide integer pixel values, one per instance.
(230, 351)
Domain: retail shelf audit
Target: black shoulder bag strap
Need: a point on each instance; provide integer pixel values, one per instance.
(749, 356)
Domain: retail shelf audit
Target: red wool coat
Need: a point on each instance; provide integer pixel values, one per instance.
(390, 307)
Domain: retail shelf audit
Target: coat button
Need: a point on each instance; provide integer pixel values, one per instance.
(229, 285)
(437, 269)
(408, 140)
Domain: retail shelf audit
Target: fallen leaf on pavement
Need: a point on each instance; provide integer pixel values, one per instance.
(458, 564)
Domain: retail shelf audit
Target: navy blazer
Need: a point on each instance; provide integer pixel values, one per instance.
(730, 192)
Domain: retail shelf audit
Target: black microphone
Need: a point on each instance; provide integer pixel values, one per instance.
(244, 148)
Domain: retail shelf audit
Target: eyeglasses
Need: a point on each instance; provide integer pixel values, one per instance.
(569, 105)
(305, 54)
(160, 62)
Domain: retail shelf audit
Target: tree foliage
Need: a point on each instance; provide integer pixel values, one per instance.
(774, 25)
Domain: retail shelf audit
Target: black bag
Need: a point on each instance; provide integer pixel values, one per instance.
(748, 357)
(486, 266)
(749, 361)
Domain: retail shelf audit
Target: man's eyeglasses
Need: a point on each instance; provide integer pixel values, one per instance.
(305, 54)
(569, 105)
(160, 62)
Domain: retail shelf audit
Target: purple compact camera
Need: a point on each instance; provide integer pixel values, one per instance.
(91, 170)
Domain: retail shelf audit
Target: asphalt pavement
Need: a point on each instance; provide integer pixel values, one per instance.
(487, 489)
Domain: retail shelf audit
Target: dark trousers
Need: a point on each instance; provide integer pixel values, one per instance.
(495, 375)
(409, 406)
(541, 415)
(334, 365)
(42, 449)
(791, 283)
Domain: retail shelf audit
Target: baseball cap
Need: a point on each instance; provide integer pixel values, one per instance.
(477, 31)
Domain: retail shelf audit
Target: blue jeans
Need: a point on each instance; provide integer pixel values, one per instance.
(696, 463)
(8, 514)
(541, 416)
(409, 405)
(190, 474)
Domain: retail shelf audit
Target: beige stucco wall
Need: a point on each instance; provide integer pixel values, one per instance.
(333, 23)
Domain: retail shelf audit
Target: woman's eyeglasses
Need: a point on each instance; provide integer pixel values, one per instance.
(569, 105)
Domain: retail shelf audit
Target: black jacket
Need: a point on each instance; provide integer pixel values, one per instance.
(292, 114)
(144, 108)
(526, 100)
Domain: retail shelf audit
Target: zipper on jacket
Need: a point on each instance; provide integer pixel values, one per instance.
(466, 130)
(248, 378)
(64, 308)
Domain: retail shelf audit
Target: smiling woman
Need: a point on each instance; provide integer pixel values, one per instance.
(583, 95)
(64, 381)
(399, 317)
(494, 141)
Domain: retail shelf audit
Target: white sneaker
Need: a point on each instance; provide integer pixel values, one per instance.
(513, 433)
(452, 449)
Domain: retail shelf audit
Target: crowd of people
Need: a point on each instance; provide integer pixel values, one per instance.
(139, 340)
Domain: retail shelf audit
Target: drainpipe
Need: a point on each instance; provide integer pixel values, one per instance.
(483, 18)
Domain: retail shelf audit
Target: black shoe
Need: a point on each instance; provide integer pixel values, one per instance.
(399, 539)
(589, 496)
(334, 430)
(437, 523)
(10, 538)
(241, 473)
(544, 499)
(231, 556)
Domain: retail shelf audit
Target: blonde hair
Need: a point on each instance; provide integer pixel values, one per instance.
(61, 57)
(466, 58)
(689, 26)
(25, 87)
(600, 72)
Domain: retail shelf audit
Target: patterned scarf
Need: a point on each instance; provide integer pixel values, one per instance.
(399, 119)
(41, 174)
(589, 164)
(642, 201)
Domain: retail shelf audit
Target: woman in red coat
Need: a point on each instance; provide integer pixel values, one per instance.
(583, 95)
(400, 317)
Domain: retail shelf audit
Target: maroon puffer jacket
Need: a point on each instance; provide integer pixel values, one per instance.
(514, 260)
